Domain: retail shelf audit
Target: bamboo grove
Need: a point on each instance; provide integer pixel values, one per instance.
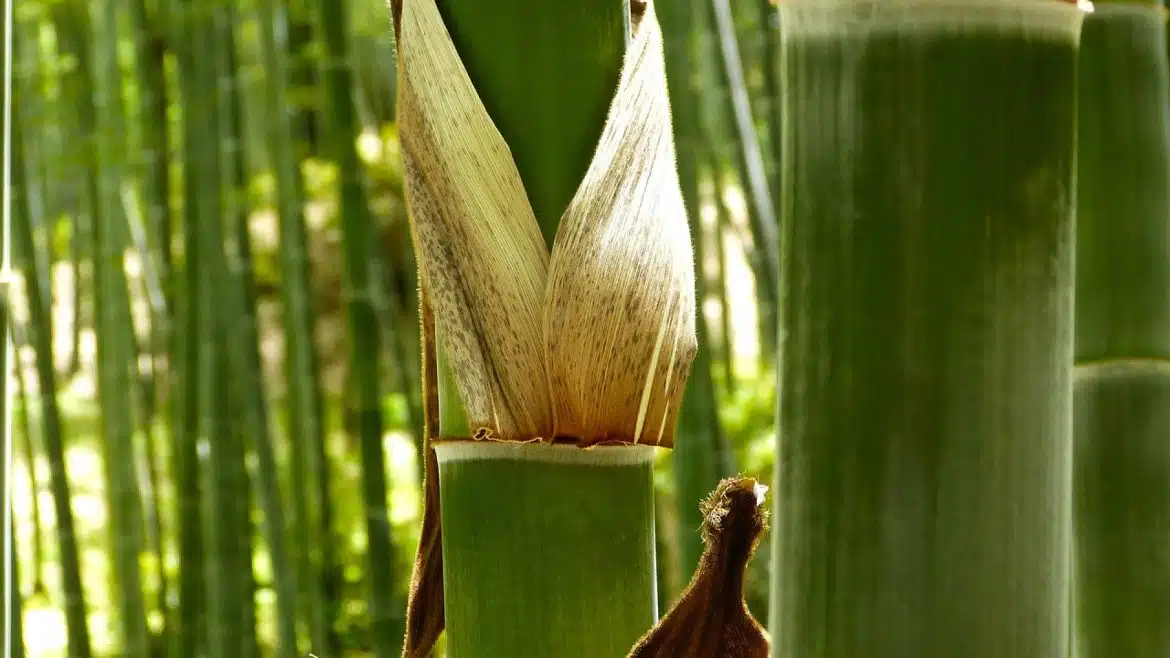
(929, 249)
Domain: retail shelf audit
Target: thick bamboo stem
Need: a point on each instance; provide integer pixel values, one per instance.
(923, 468)
(547, 550)
(1122, 384)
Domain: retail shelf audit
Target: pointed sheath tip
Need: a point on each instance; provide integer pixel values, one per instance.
(711, 619)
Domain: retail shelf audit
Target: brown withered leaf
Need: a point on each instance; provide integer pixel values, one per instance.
(711, 619)
(619, 317)
(480, 249)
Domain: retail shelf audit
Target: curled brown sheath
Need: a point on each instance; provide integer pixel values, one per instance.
(424, 607)
(711, 619)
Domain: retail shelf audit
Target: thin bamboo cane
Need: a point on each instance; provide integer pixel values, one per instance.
(76, 623)
(287, 134)
(154, 164)
(10, 637)
(24, 423)
(116, 362)
(237, 315)
(722, 223)
(191, 635)
(718, 117)
(365, 340)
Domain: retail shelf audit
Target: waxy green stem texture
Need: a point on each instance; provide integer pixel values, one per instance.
(923, 467)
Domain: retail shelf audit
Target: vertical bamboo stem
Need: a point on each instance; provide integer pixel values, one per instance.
(923, 484)
(1122, 384)
(564, 532)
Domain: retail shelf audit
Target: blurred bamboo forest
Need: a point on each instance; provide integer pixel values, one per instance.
(215, 269)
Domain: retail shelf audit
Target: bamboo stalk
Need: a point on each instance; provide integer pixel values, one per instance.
(1122, 382)
(770, 33)
(191, 635)
(15, 622)
(532, 336)
(116, 353)
(76, 622)
(11, 636)
(237, 317)
(286, 134)
(24, 422)
(923, 468)
(756, 180)
(154, 163)
(148, 471)
(752, 172)
(225, 496)
(561, 531)
(722, 224)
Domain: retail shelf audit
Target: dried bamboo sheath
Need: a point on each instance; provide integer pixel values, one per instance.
(592, 341)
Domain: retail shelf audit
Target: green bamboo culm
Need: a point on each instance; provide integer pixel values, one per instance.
(23, 412)
(923, 497)
(237, 317)
(222, 493)
(1122, 377)
(191, 631)
(37, 299)
(115, 338)
(285, 134)
(515, 520)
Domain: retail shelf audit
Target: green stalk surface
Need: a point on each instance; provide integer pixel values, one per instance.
(547, 550)
(1122, 383)
(923, 498)
(23, 414)
(284, 133)
(244, 375)
(114, 330)
(190, 636)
